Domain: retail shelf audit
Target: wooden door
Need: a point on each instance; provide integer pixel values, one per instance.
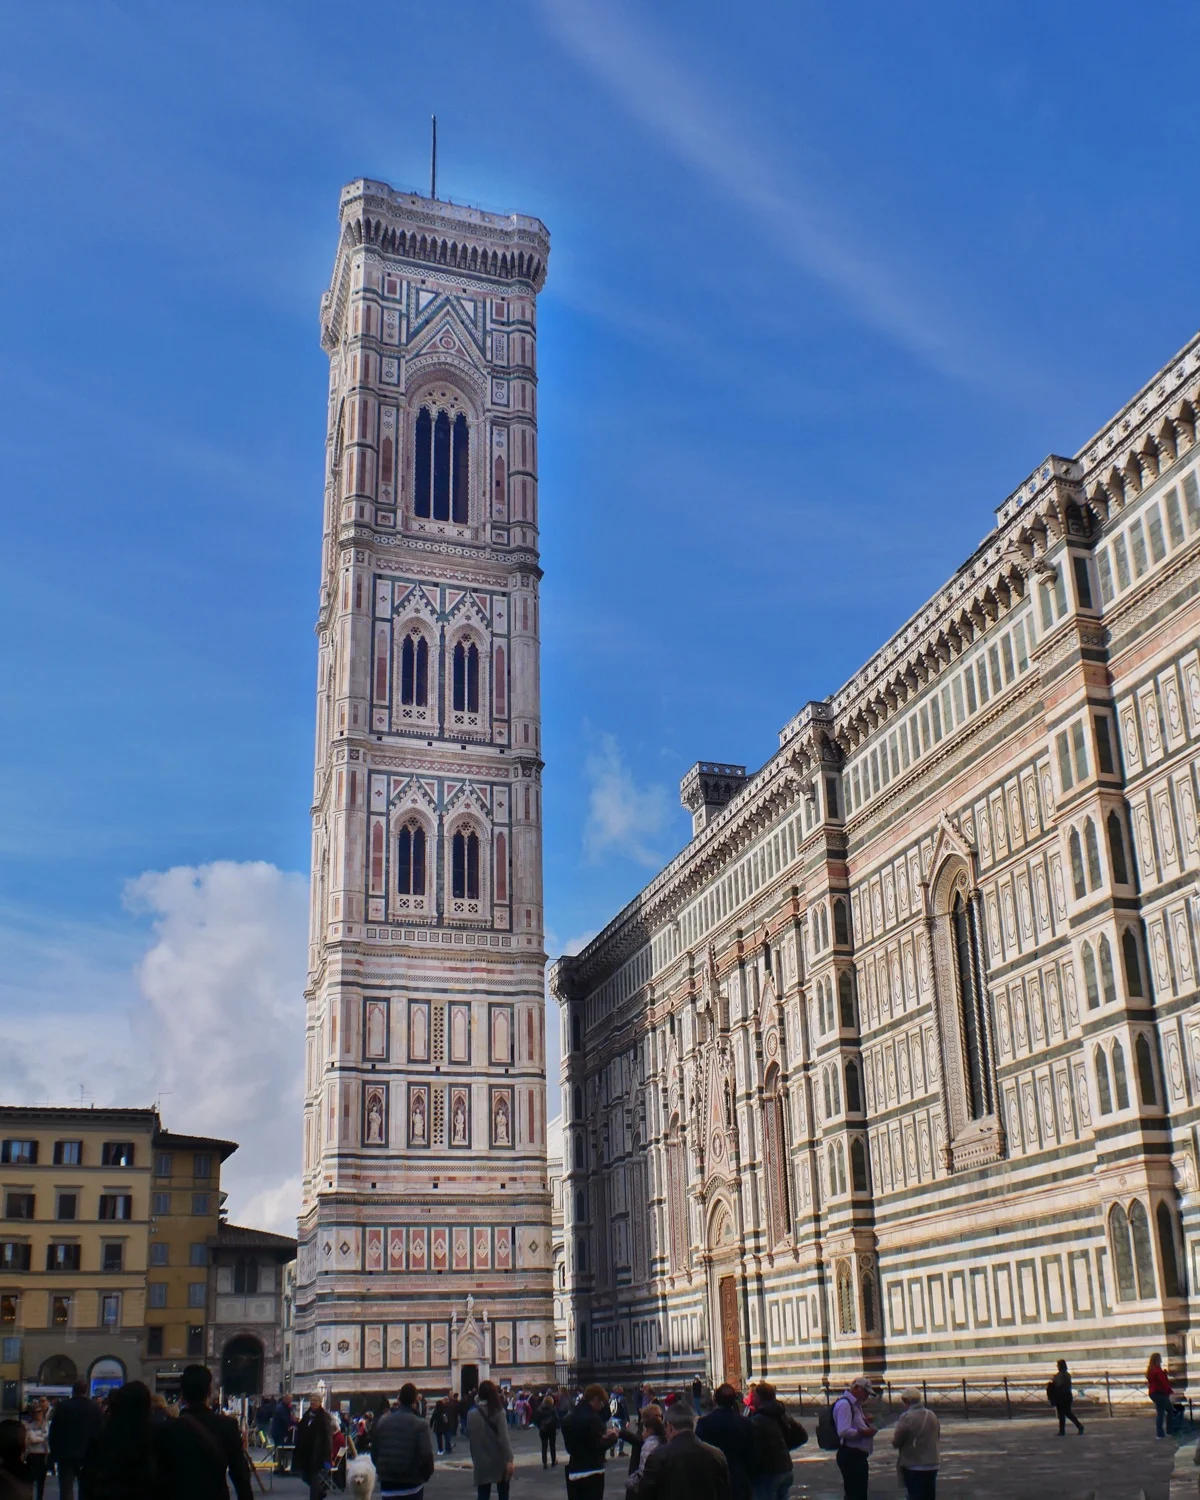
(731, 1343)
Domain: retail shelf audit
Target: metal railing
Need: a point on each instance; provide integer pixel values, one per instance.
(1004, 1395)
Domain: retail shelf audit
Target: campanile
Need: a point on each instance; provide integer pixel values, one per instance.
(425, 1112)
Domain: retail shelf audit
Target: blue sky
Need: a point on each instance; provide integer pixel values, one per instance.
(822, 292)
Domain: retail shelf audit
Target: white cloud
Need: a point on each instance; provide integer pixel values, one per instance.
(207, 1020)
(634, 65)
(623, 817)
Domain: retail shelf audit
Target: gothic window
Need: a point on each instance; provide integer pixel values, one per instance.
(835, 1089)
(1122, 1250)
(858, 1166)
(1103, 1091)
(441, 466)
(577, 1100)
(464, 866)
(414, 671)
(868, 1302)
(853, 1089)
(1089, 977)
(845, 1298)
(1172, 1284)
(466, 678)
(1120, 1082)
(1143, 1249)
(1108, 981)
(1093, 854)
(1077, 879)
(576, 1034)
(841, 923)
(823, 917)
(1145, 1070)
(965, 954)
(846, 1000)
(579, 1152)
(775, 1153)
(1133, 968)
(410, 860)
(1116, 850)
(828, 1097)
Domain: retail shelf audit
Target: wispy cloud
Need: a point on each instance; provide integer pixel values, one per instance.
(204, 1015)
(632, 63)
(623, 818)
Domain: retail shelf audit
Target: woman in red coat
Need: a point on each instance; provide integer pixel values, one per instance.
(1160, 1391)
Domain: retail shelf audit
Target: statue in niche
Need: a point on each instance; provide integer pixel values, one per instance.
(417, 1119)
(458, 1133)
(500, 1132)
(374, 1119)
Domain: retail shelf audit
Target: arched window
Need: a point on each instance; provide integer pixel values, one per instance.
(1103, 1091)
(1107, 980)
(868, 1302)
(846, 1000)
(827, 1005)
(964, 947)
(579, 1152)
(580, 1207)
(841, 1166)
(1120, 1081)
(441, 466)
(841, 922)
(858, 1165)
(577, 1097)
(422, 454)
(576, 1034)
(1172, 1285)
(1093, 854)
(828, 1096)
(1133, 967)
(1122, 1253)
(1077, 879)
(1116, 850)
(1145, 1070)
(466, 678)
(823, 918)
(775, 1152)
(853, 1089)
(410, 860)
(1143, 1250)
(845, 1298)
(1089, 977)
(414, 671)
(831, 1168)
(464, 867)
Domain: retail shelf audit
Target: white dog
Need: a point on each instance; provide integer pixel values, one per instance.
(361, 1479)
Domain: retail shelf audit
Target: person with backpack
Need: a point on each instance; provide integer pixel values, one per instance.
(917, 1437)
(618, 1418)
(1060, 1397)
(844, 1427)
(546, 1419)
(774, 1435)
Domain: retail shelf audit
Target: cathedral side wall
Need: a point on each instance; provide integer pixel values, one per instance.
(894, 1067)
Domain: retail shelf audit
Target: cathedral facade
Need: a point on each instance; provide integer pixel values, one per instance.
(425, 1223)
(897, 1065)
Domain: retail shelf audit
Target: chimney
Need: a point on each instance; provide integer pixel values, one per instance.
(707, 788)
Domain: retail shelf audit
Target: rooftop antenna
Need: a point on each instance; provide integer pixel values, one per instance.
(433, 160)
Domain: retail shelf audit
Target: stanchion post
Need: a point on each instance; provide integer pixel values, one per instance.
(966, 1409)
(1007, 1402)
(1108, 1391)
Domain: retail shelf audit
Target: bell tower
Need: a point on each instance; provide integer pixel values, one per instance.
(425, 1177)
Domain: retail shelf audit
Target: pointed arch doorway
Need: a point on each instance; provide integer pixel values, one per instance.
(723, 1299)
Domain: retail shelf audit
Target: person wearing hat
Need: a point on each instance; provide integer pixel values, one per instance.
(917, 1435)
(856, 1438)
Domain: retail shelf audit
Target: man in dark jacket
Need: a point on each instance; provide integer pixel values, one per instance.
(402, 1449)
(74, 1424)
(587, 1437)
(725, 1428)
(314, 1447)
(200, 1446)
(684, 1468)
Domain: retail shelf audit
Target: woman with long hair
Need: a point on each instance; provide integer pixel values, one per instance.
(1160, 1391)
(491, 1451)
(37, 1444)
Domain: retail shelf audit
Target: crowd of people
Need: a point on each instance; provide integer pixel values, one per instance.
(134, 1446)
